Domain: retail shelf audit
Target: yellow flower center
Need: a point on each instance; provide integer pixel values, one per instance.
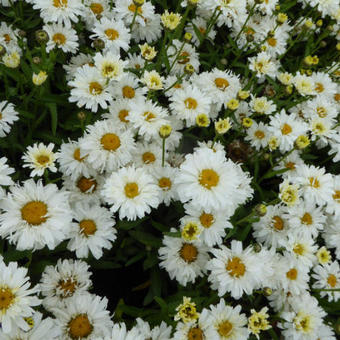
(336, 196)
(292, 274)
(84, 184)
(307, 218)
(59, 38)
(122, 115)
(148, 157)
(7, 38)
(272, 42)
(6, 298)
(68, 286)
(43, 160)
(299, 249)
(322, 112)
(87, 227)
(95, 88)
(303, 323)
(206, 220)
(188, 252)
(34, 212)
(132, 8)
(225, 328)
(111, 34)
(221, 83)
(235, 267)
(319, 88)
(76, 155)
(331, 280)
(110, 142)
(290, 165)
(190, 103)
(165, 183)
(128, 92)
(259, 134)
(59, 3)
(184, 58)
(148, 116)
(208, 178)
(79, 327)
(195, 333)
(96, 8)
(314, 182)
(286, 129)
(131, 190)
(278, 222)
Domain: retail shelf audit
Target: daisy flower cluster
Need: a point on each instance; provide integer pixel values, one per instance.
(195, 141)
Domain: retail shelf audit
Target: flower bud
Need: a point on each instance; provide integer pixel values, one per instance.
(41, 36)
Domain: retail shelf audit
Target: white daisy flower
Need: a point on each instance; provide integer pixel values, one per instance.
(257, 135)
(228, 322)
(150, 31)
(71, 163)
(286, 128)
(148, 155)
(92, 232)
(188, 55)
(290, 163)
(106, 146)
(135, 61)
(61, 11)
(306, 220)
(5, 171)
(292, 275)
(324, 86)
(84, 317)
(128, 88)
(16, 299)
(333, 203)
(75, 62)
(161, 332)
(39, 329)
(63, 37)
(327, 277)
(131, 191)
(153, 80)
(210, 180)
(120, 332)
(165, 178)
(201, 25)
(84, 188)
(7, 117)
(114, 34)
(221, 86)
(66, 279)
(89, 88)
(95, 9)
(110, 65)
(212, 222)
(331, 234)
(188, 103)
(198, 329)
(305, 85)
(304, 320)
(262, 105)
(272, 228)
(119, 111)
(35, 216)
(184, 261)
(125, 10)
(316, 185)
(148, 118)
(303, 249)
(234, 270)
(40, 157)
(263, 65)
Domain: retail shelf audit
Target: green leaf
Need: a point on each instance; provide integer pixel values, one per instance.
(54, 117)
(145, 238)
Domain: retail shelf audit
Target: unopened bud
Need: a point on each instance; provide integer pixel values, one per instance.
(260, 209)
(257, 247)
(2, 50)
(267, 291)
(36, 60)
(189, 69)
(165, 131)
(187, 37)
(98, 44)
(81, 115)
(41, 36)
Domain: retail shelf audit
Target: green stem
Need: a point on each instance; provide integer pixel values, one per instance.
(245, 23)
(163, 152)
(134, 18)
(177, 56)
